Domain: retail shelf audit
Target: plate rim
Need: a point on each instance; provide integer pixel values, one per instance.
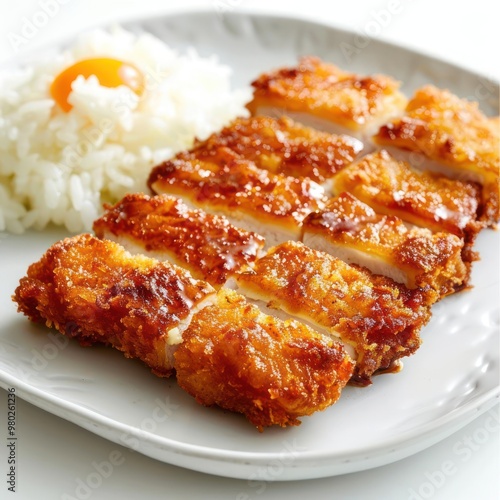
(242, 12)
(39, 397)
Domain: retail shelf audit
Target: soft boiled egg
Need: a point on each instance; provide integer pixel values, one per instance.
(110, 73)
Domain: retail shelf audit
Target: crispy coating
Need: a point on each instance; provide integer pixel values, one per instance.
(454, 133)
(229, 183)
(229, 353)
(270, 370)
(284, 146)
(423, 258)
(379, 318)
(95, 291)
(425, 199)
(323, 90)
(164, 227)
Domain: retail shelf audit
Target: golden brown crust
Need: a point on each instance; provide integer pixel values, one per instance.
(207, 245)
(322, 89)
(427, 259)
(427, 200)
(272, 371)
(379, 318)
(230, 183)
(231, 354)
(454, 132)
(284, 146)
(96, 292)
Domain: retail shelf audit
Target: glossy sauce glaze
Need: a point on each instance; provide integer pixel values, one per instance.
(427, 200)
(231, 183)
(454, 133)
(284, 146)
(379, 318)
(97, 292)
(323, 89)
(207, 245)
(426, 258)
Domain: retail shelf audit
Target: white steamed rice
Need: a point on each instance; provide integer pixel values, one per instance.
(60, 167)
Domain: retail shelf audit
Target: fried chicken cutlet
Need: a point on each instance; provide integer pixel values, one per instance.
(378, 318)
(272, 205)
(163, 227)
(442, 132)
(321, 95)
(352, 231)
(283, 146)
(99, 293)
(424, 199)
(271, 371)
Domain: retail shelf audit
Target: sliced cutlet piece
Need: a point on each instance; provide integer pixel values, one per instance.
(425, 199)
(285, 147)
(441, 132)
(377, 317)
(272, 205)
(165, 228)
(325, 97)
(97, 292)
(272, 371)
(353, 232)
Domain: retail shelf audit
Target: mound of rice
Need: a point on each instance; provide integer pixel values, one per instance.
(60, 167)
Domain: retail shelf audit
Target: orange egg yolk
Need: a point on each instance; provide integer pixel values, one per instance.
(110, 73)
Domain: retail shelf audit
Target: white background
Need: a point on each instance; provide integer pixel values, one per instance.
(54, 455)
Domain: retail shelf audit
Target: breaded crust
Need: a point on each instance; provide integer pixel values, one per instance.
(270, 370)
(379, 318)
(165, 228)
(284, 146)
(229, 353)
(423, 258)
(229, 184)
(455, 133)
(323, 90)
(425, 199)
(95, 291)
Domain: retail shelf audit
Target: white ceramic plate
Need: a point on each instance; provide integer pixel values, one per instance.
(452, 378)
